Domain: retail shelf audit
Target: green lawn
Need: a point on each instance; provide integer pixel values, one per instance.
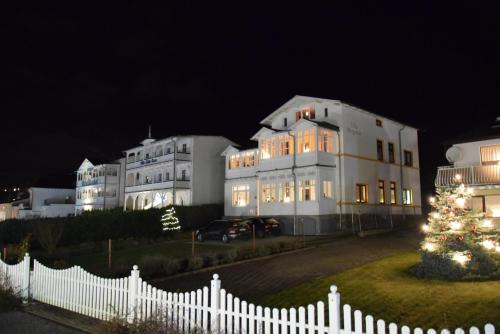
(97, 263)
(386, 290)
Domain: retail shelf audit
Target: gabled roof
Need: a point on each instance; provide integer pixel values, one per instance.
(229, 150)
(261, 131)
(86, 164)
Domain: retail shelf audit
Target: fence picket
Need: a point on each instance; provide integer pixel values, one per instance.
(206, 306)
(380, 326)
(393, 328)
(321, 317)
(237, 315)
(259, 319)
(358, 322)
(458, 331)
(489, 329)
(474, 330)
(284, 321)
(347, 319)
(310, 319)
(275, 321)
(369, 324)
(223, 311)
(267, 320)
(244, 317)
(229, 325)
(251, 319)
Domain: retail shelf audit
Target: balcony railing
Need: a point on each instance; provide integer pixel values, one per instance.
(468, 175)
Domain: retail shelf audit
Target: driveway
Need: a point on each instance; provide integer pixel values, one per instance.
(254, 280)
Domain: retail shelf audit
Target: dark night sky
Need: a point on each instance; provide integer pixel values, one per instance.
(86, 81)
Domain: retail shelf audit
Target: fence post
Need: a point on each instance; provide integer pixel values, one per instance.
(133, 281)
(215, 305)
(25, 288)
(333, 311)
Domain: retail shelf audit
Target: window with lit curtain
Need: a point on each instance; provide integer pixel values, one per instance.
(286, 192)
(407, 197)
(241, 195)
(267, 148)
(249, 159)
(268, 192)
(381, 192)
(325, 140)
(361, 193)
(307, 190)
(490, 155)
(393, 192)
(327, 189)
(234, 161)
(306, 141)
(285, 145)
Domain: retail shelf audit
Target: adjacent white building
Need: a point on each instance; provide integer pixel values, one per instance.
(45, 203)
(99, 186)
(475, 161)
(322, 165)
(181, 170)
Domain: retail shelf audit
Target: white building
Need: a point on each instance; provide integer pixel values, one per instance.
(350, 167)
(45, 203)
(100, 186)
(475, 162)
(187, 168)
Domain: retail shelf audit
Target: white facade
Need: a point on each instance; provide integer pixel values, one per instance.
(343, 160)
(99, 187)
(187, 168)
(475, 163)
(45, 203)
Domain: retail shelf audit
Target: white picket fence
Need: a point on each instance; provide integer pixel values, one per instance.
(204, 310)
(17, 276)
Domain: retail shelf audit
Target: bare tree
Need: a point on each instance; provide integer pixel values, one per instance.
(49, 234)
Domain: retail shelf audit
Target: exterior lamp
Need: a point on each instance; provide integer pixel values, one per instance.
(458, 177)
(460, 202)
(429, 246)
(432, 200)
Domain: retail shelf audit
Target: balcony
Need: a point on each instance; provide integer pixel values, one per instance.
(180, 155)
(90, 182)
(469, 175)
(158, 185)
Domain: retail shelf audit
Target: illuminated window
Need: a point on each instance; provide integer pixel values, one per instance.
(268, 192)
(307, 190)
(393, 192)
(267, 148)
(408, 158)
(407, 197)
(249, 159)
(391, 153)
(380, 150)
(286, 190)
(306, 141)
(381, 192)
(490, 155)
(361, 193)
(234, 161)
(285, 145)
(241, 195)
(327, 189)
(378, 122)
(325, 140)
(307, 113)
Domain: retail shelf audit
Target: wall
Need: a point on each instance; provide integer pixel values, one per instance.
(470, 152)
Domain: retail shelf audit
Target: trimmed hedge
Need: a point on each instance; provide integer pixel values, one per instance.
(114, 224)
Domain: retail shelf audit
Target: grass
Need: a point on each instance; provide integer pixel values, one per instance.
(386, 290)
(97, 263)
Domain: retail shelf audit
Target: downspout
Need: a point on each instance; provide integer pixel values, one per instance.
(291, 134)
(340, 178)
(401, 171)
(175, 175)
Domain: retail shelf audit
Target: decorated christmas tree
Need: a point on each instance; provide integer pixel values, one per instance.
(170, 221)
(459, 242)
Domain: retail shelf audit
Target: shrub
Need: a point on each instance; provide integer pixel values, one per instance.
(156, 323)
(9, 299)
(195, 263)
(262, 250)
(151, 264)
(435, 265)
(210, 260)
(171, 266)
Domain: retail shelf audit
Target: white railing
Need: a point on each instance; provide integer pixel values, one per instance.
(469, 175)
(17, 276)
(204, 310)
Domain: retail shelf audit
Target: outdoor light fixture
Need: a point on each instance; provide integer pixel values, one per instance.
(429, 246)
(432, 200)
(458, 177)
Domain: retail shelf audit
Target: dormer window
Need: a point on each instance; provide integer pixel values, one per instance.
(307, 113)
(285, 122)
(326, 112)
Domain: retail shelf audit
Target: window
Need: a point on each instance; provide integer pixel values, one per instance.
(167, 176)
(407, 197)
(169, 150)
(148, 179)
(241, 195)
(184, 148)
(381, 192)
(99, 192)
(393, 192)
(234, 161)
(325, 140)
(408, 158)
(307, 113)
(249, 159)
(378, 122)
(268, 192)
(285, 145)
(391, 153)
(307, 190)
(286, 194)
(327, 189)
(306, 141)
(158, 151)
(79, 177)
(490, 155)
(159, 177)
(380, 150)
(285, 122)
(183, 175)
(326, 112)
(267, 148)
(361, 193)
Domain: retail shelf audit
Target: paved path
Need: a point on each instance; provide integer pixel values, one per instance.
(254, 280)
(17, 322)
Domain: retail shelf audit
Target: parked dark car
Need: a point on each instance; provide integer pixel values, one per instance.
(225, 230)
(264, 226)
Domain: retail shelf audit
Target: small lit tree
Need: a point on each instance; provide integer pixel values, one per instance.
(458, 241)
(170, 221)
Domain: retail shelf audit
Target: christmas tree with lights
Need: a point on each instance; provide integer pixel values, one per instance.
(459, 243)
(170, 221)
